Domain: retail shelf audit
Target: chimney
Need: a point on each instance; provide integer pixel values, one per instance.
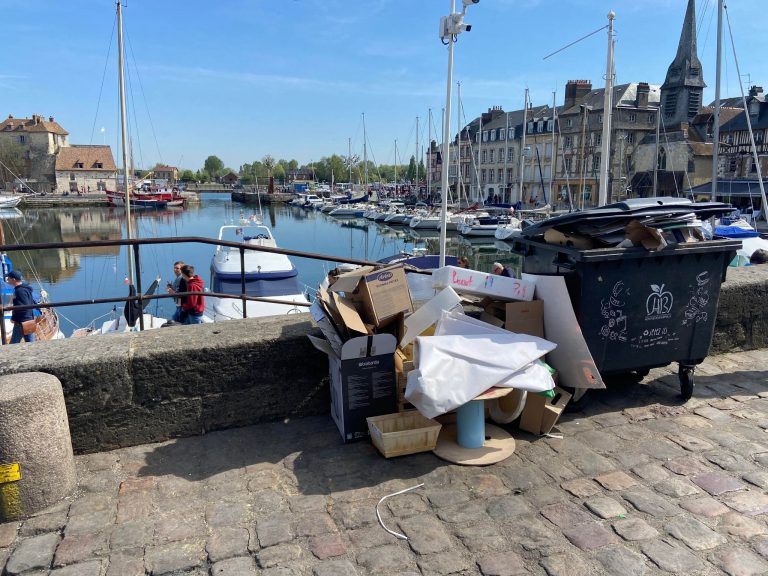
(643, 91)
(10, 116)
(576, 91)
(50, 118)
(756, 91)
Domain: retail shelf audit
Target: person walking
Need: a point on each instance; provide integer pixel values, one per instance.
(176, 287)
(193, 305)
(22, 296)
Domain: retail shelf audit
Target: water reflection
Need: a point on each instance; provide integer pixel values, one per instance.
(100, 272)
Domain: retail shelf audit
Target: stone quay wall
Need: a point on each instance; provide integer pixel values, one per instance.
(129, 389)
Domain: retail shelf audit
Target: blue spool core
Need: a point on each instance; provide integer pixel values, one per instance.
(470, 424)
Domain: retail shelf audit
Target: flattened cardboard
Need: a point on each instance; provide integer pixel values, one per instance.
(429, 314)
(464, 280)
(552, 236)
(525, 318)
(649, 237)
(541, 414)
(572, 360)
(348, 281)
(348, 314)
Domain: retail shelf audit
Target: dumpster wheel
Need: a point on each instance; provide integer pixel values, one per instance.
(685, 374)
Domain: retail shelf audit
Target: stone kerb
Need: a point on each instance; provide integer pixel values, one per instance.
(37, 467)
(742, 314)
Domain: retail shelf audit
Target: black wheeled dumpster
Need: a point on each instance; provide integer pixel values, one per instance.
(638, 309)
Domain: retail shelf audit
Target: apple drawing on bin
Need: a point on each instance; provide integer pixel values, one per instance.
(659, 301)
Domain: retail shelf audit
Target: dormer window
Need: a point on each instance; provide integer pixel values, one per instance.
(695, 72)
(79, 165)
(98, 165)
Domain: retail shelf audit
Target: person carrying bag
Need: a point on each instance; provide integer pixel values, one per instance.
(24, 323)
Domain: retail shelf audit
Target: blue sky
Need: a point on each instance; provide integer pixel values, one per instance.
(291, 78)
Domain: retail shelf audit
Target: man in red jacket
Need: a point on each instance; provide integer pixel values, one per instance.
(194, 304)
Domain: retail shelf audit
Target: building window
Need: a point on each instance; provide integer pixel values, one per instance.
(22, 139)
(568, 165)
(587, 192)
(568, 142)
(661, 163)
(651, 119)
(595, 163)
(101, 185)
(80, 165)
(501, 134)
(569, 123)
(632, 118)
(694, 104)
(510, 154)
(482, 175)
(549, 125)
(500, 174)
(490, 156)
(599, 118)
(670, 106)
(511, 134)
(485, 156)
(598, 139)
(540, 126)
(71, 177)
(493, 135)
(490, 175)
(530, 127)
(99, 165)
(630, 137)
(485, 136)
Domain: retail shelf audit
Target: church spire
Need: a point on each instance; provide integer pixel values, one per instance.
(682, 91)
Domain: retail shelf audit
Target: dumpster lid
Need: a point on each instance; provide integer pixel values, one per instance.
(605, 222)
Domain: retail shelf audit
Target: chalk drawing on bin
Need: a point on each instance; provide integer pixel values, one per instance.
(696, 310)
(659, 303)
(612, 310)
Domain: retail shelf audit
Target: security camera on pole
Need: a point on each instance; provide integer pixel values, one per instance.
(450, 28)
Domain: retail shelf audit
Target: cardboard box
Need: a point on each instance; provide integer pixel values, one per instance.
(541, 414)
(525, 318)
(362, 380)
(379, 294)
(464, 280)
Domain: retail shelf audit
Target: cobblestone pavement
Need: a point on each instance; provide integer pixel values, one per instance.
(638, 484)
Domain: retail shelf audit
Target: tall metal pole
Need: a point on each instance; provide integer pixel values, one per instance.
(446, 150)
(718, 71)
(365, 155)
(656, 154)
(506, 178)
(417, 154)
(522, 145)
(349, 159)
(124, 132)
(429, 155)
(459, 178)
(553, 156)
(605, 160)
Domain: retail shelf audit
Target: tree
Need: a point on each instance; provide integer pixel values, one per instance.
(213, 167)
(187, 176)
(269, 163)
(13, 164)
(410, 175)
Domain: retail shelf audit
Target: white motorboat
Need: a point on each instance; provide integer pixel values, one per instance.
(266, 275)
(432, 222)
(508, 230)
(348, 211)
(9, 201)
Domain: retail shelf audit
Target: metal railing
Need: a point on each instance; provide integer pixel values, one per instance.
(139, 299)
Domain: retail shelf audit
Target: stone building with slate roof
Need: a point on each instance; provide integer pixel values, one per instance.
(40, 140)
(83, 168)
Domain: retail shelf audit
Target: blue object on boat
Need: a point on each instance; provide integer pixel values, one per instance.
(735, 232)
(470, 424)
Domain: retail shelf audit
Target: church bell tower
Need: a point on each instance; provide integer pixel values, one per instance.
(683, 88)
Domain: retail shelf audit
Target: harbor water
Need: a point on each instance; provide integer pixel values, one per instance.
(101, 272)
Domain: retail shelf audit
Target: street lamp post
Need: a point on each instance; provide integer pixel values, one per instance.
(450, 28)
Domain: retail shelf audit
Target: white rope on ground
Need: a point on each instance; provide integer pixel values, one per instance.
(378, 515)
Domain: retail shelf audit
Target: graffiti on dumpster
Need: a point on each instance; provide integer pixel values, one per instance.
(696, 310)
(658, 306)
(614, 319)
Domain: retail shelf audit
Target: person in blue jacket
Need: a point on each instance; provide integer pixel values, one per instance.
(22, 296)
(500, 270)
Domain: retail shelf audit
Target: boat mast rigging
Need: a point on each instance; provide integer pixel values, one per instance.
(123, 132)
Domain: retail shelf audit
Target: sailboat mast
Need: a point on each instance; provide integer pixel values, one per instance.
(553, 156)
(459, 181)
(417, 154)
(429, 156)
(506, 178)
(349, 159)
(522, 145)
(365, 155)
(656, 153)
(123, 132)
(605, 154)
(395, 166)
(718, 72)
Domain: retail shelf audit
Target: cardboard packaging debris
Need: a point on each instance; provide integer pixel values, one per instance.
(541, 413)
(381, 294)
(429, 314)
(640, 234)
(464, 280)
(362, 381)
(552, 236)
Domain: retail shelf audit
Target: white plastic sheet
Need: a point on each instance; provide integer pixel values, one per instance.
(466, 357)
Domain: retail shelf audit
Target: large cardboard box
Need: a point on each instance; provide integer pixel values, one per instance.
(466, 281)
(362, 380)
(380, 294)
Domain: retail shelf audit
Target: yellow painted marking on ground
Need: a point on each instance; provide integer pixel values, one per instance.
(9, 473)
